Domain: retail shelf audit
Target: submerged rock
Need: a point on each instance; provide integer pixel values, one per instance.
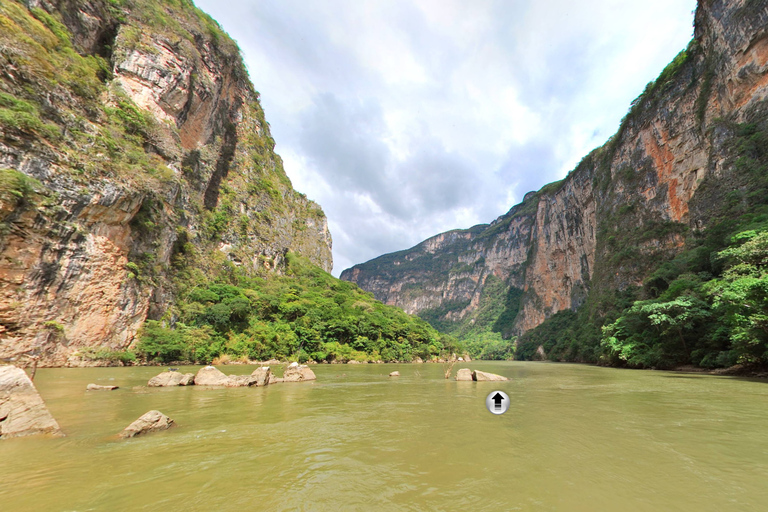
(394, 374)
(22, 410)
(98, 387)
(171, 378)
(298, 374)
(151, 421)
(485, 376)
(464, 374)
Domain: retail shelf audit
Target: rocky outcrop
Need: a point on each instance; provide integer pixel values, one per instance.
(171, 378)
(464, 374)
(151, 421)
(131, 150)
(624, 209)
(22, 410)
(99, 387)
(479, 376)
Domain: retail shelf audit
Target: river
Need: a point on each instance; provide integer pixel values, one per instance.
(576, 438)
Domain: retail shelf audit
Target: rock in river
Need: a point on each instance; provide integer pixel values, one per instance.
(261, 376)
(394, 374)
(98, 387)
(483, 376)
(171, 379)
(22, 411)
(298, 374)
(464, 374)
(210, 376)
(148, 422)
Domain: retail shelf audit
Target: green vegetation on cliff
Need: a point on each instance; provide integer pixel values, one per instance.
(305, 315)
(707, 306)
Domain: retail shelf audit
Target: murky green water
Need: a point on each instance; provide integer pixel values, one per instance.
(576, 438)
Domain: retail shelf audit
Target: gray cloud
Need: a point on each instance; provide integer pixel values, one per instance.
(405, 118)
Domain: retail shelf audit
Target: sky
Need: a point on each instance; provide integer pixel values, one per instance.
(407, 118)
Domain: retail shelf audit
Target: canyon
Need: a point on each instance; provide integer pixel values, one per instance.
(670, 172)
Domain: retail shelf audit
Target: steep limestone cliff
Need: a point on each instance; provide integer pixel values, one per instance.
(667, 174)
(133, 152)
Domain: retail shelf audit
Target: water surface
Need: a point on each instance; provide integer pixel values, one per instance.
(576, 438)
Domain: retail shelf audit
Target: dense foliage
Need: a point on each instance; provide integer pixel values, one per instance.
(304, 315)
(708, 306)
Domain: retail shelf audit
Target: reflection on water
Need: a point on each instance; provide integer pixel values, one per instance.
(576, 438)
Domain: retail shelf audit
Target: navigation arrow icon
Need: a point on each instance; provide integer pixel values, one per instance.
(497, 402)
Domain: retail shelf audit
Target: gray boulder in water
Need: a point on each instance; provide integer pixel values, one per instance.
(464, 374)
(261, 376)
(171, 378)
(298, 374)
(99, 387)
(210, 376)
(22, 410)
(151, 421)
(485, 376)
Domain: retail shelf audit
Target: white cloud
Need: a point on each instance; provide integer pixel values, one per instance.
(407, 118)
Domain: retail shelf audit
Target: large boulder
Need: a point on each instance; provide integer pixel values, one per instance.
(210, 376)
(464, 374)
(148, 422)
(99, 387)
(485, 376)
(22, 411)
(171, 379)
(394, 374)
(298, 374)
(261, 376)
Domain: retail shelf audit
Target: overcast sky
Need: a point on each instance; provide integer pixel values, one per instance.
(406, 118)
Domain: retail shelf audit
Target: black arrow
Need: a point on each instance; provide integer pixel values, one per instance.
(497, 399)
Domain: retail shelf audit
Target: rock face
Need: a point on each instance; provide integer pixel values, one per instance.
(298, 374)
(151, 421)
(136, 149)
(171, 379)
(98, 387)
(665, 172)
(464, 374)
(485, 376)
(22, 411)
